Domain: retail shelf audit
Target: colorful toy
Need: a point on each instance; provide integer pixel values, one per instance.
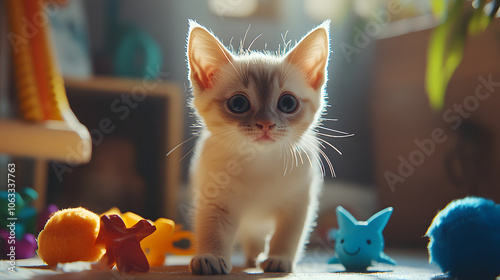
(21, 231)
(358, 243)
(127, 240)
(122, 243)
(77, 234)
(162, 241)
(70, 236)
(464, 239)
(44, 216)
(25, 247)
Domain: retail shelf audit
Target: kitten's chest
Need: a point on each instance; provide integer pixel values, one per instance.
(251, 167)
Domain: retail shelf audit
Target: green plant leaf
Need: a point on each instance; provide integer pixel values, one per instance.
(447, 42)
(438, 8)
(445, 53)
(479, 19)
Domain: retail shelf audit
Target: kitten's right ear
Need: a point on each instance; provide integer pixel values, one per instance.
(205, 55)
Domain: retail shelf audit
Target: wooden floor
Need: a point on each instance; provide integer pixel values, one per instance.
(411, 265)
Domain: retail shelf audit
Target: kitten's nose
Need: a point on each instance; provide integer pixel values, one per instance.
(265, 125)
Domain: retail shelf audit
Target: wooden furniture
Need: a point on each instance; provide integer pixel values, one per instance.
(48, 140)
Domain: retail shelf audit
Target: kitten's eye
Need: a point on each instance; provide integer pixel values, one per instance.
(238, 104)
(287, 103)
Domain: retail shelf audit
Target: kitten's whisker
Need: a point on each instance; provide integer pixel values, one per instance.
(328, 143)
(285, 161)
(301, 149)
(334, 130)
(281, 156)
(291, 157)
(197, 144)
(310, 147)
(333, 136)
(325, 119)
(330, 165)
(190, 151)
(307, 155)
(211, 146)
(294, 159)
(296, 154)
(182, 143)
(281, 150)
(296, 149)
(327, 159)
(319, 143)
(318, 140)
(309, 144)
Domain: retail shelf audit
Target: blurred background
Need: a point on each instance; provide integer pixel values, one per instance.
(126, 80)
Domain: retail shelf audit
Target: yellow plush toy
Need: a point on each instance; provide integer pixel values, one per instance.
(69, 236)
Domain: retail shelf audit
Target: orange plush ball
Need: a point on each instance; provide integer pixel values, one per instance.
(69, 236)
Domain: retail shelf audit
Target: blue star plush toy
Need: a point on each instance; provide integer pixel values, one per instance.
(465, 239)
(358, 243)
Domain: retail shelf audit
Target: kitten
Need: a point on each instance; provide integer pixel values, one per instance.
(252, 171)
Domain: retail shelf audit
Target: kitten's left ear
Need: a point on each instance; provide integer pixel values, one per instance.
(311, 55)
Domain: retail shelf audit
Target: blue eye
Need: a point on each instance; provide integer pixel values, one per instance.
(368, 241)
(287, 103)
(238, 104)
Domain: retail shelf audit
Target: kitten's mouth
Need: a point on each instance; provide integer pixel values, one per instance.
(264, 138)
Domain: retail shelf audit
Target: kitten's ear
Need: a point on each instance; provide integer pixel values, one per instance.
(205, 55)
(311, 55)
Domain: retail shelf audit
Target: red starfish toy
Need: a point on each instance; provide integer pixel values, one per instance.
(122, 243)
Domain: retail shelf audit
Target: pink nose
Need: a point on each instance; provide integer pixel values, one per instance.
(265, 125)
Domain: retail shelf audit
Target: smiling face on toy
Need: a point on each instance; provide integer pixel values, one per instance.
(358, 242)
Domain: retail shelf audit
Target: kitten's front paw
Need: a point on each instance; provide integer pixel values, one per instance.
(277, 264)
(208, 264)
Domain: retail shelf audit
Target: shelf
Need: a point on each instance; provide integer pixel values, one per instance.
(66, 141)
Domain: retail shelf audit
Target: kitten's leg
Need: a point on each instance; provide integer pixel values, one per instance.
(254, 238)
(292, 228)
(215, 229)
(253, 247)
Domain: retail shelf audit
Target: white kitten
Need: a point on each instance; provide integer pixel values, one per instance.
(254, 171)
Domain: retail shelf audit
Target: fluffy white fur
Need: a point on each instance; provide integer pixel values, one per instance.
(263, 191)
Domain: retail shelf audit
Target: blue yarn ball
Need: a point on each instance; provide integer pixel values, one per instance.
(465, 239)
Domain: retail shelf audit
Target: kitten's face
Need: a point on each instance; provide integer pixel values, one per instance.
(261, 98)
